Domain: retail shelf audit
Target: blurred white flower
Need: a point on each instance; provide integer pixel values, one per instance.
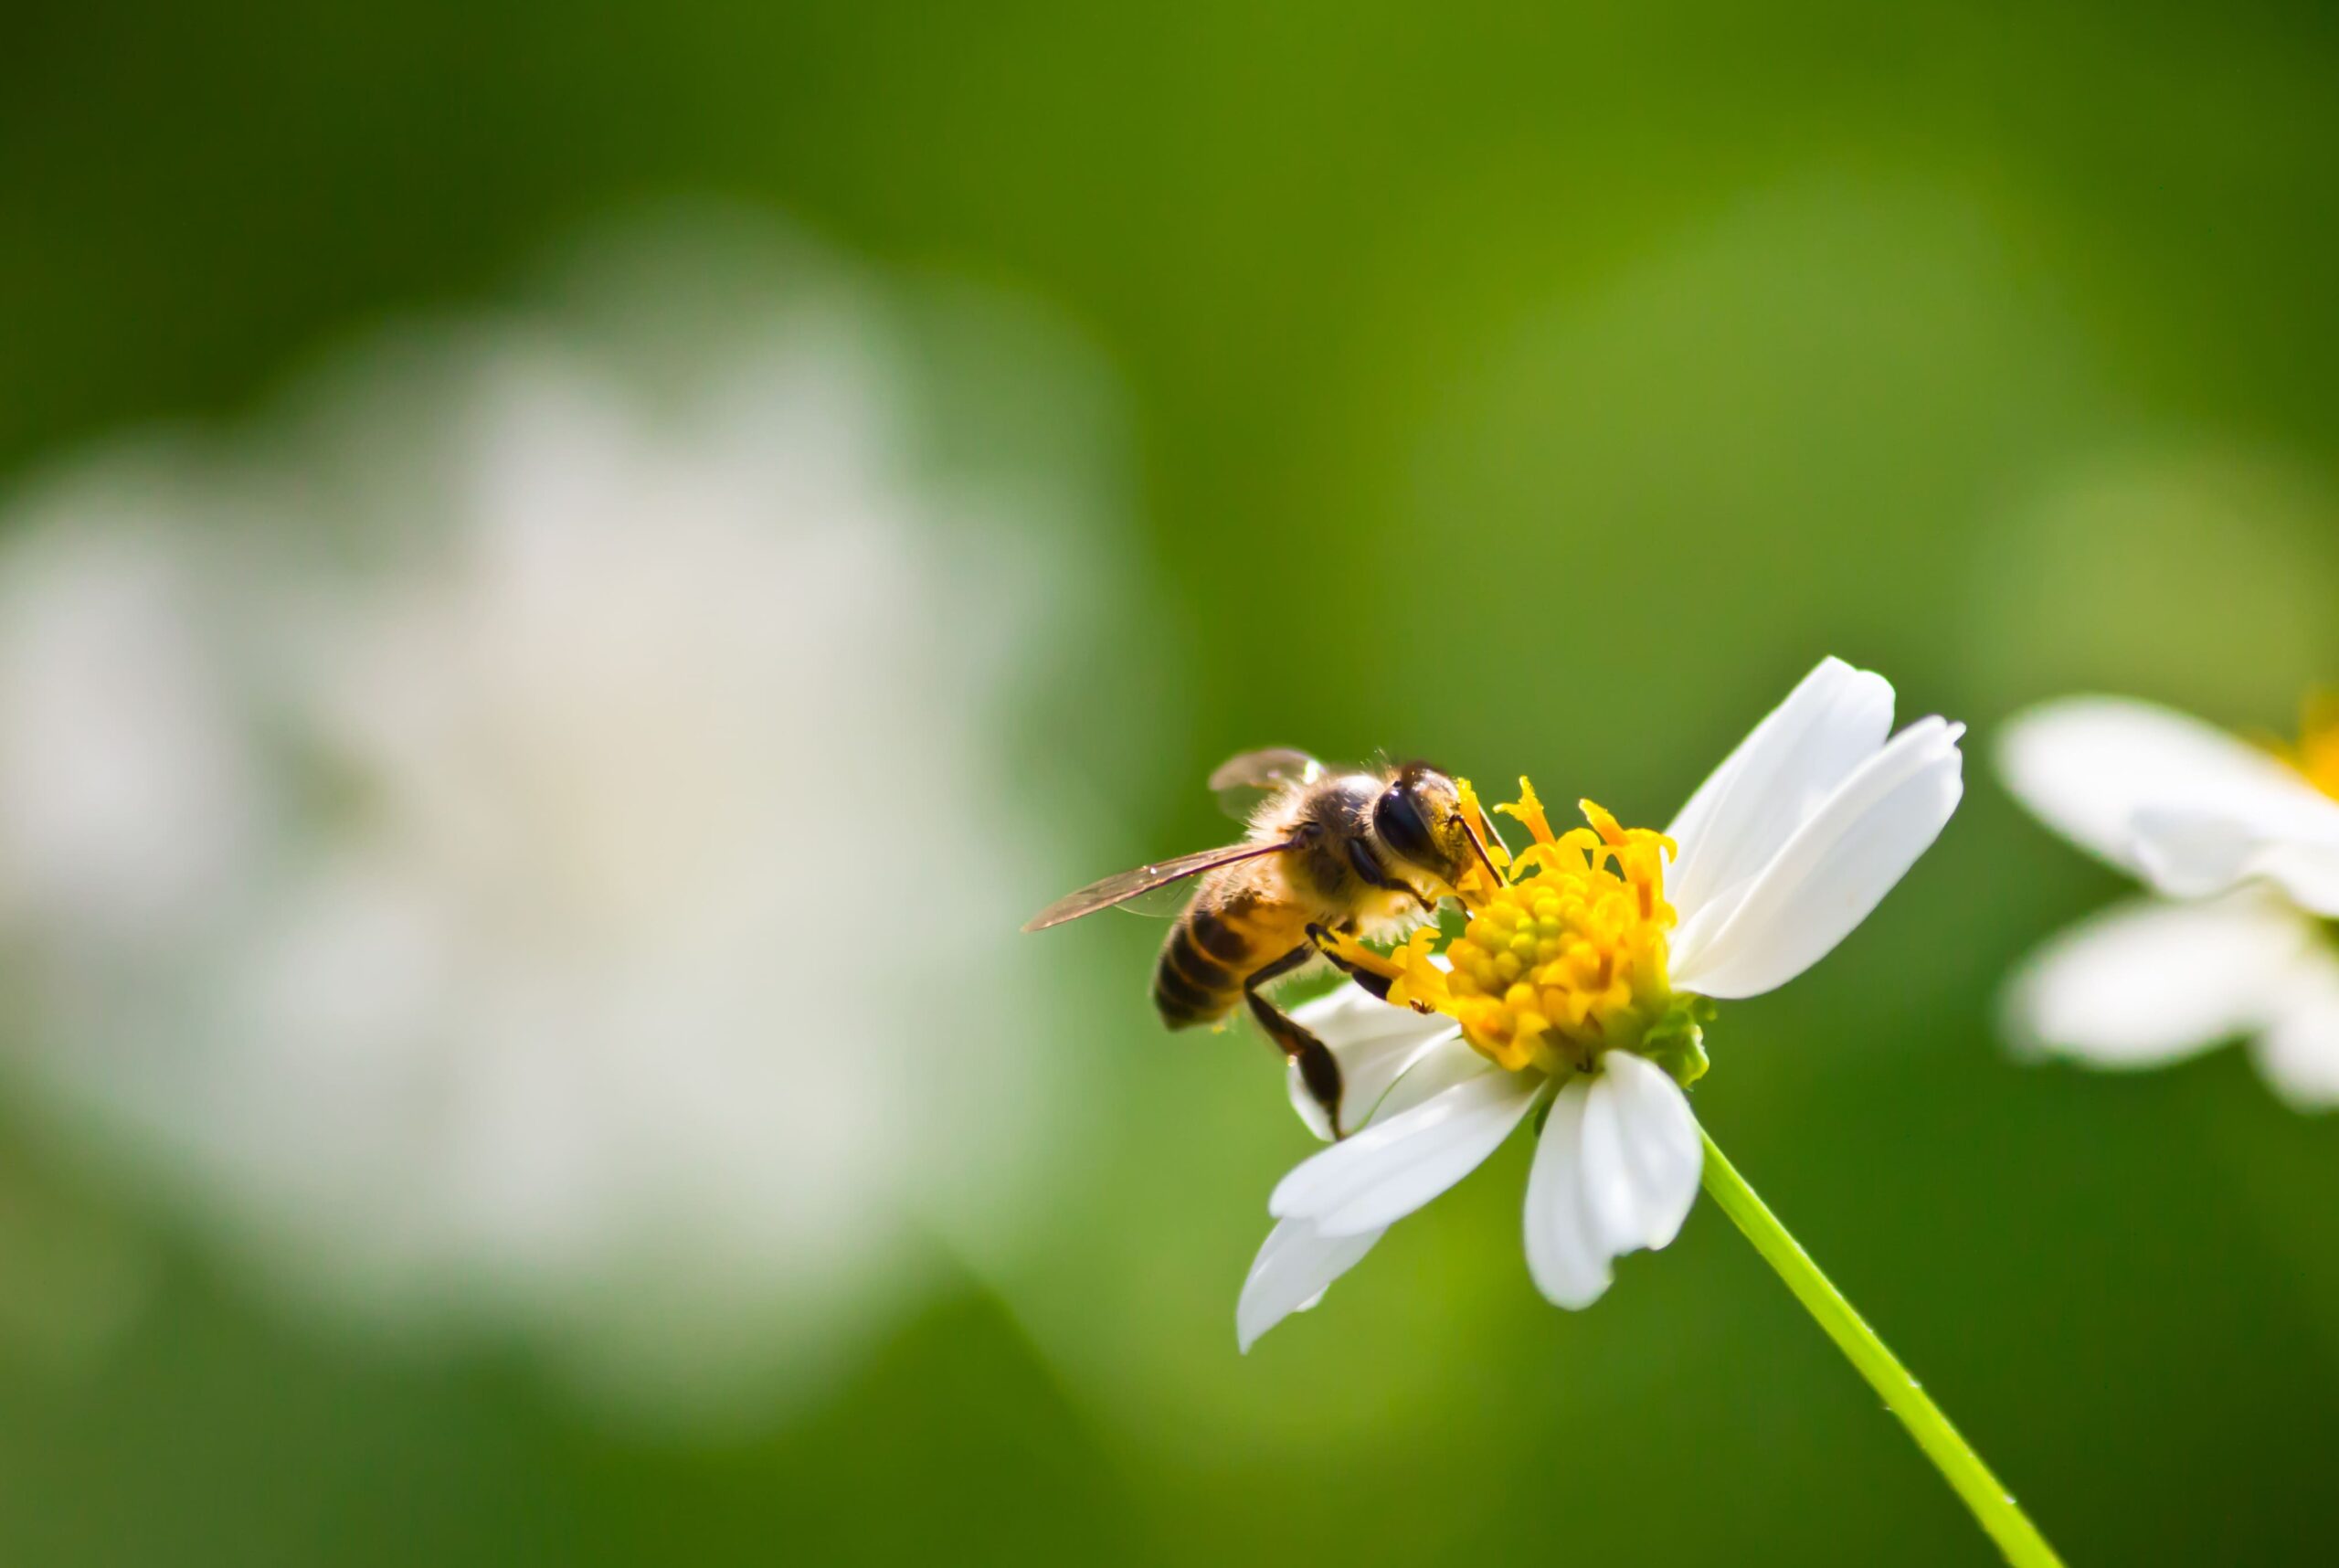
(2242, 846)
(461, 833)
(1580, 986)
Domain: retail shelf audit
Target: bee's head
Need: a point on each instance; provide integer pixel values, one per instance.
(1419, 818)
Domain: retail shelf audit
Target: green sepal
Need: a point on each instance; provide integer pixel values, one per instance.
(1677, 1040)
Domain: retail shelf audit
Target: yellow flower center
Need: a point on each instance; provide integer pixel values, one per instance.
(1563, 958)
(2317, 752)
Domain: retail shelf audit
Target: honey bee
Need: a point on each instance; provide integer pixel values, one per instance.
(1363, 853)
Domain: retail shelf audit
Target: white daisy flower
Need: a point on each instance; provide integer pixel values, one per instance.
(2241, 846)
(409, 814)
(1579, 987)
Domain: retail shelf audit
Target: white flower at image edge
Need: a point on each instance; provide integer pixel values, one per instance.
(1788, 846)
(2242, 854)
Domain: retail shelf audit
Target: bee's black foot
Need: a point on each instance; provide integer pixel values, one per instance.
(1378, 985)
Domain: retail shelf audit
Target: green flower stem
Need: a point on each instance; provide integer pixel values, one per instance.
(1993, 1506)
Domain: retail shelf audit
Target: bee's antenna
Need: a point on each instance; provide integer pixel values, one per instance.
(1488, 823)
(1479, 845)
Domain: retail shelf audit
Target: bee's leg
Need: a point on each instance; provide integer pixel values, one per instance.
(1377, 984)
(1318, 1068)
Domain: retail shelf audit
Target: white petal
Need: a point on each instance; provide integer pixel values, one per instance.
(1374, 1043)
(1611, 1209)
(1400, 1162)
(1663, 1156)
(1569, 1265)
(1616, 1171)
(2088, 766)
(1298, 1261)
(2299, 1052)
(1441, 1064)
(1292, 1269)
(1835, 869)
(2287, 836)
(2149, 982)
(1834, 719)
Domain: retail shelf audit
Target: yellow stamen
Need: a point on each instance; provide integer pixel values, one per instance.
(1564, 959)
(1477, 883)
(1529, 810)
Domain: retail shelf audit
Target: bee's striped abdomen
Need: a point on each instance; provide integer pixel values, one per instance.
(1202, 968)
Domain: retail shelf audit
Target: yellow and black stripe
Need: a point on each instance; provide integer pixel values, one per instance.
(1202, 968)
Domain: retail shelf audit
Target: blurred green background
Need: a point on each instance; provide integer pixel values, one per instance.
(1535, 389)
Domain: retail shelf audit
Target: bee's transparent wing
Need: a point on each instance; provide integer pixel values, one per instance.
(1166, 902)
(1135, 883)
(1241, 782)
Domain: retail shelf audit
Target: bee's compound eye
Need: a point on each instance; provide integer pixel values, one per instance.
(1399, 821)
